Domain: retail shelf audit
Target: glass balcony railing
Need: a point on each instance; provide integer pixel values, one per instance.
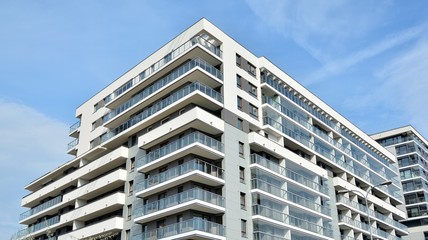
(258, 235)
(156, 107)
(291, 220)
(292, 197)
(194, 137)
(257, 159)
(41, 207)
(192, 165)
(74, 126)
(176, 199)
(72, 144)
(268, 78)
(168, 58)
(150, 90)
(194, 224)
(34, 228)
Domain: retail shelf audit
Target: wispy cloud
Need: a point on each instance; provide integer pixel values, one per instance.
(31, 144)
(400, 88)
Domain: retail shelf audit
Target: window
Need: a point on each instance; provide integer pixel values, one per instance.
(131, 188)
(243, 228)
(241, 149)
(242, 174)
(242, 200)
(238, 81)
(132, 163)
(252, 90)
(239, 103)
(251, 69)
(238, 60)
(96, 107)
(165, 120)
(129, 215)
(240, 124)
(254, 111)
(183, 110)
(134, 140)
(127, 234)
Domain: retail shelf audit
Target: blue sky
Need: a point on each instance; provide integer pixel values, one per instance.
(366, 59)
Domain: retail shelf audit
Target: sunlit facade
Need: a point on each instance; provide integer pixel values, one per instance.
(205, 140)
(411, 149)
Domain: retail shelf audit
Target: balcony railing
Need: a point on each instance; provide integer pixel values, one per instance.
(258, 235)
(194, 224)
(269, 79)
(292, 197)
(194, 137)
(34, 228)
(74, 126)
(156, 66)
(41, 207)
(291, 220)
(192, 165)
(150, 90)
(179, 198)
(288, 173)
(170, 100)
(72, 144)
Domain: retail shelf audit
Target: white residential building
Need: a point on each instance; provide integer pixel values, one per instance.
(205, 140)
(411, 149)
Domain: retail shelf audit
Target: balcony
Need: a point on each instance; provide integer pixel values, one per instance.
(74, 129)
(171, 81)
(54, 201)
(156, 67)
(194, 199)
(362, 209)
(288, 173)
(194, 170)
(35, 228)
(106, 228)
(258, 235)
(193, 93)
(195, 228)
(71, 147)
(299, 201)
(294, 223)
(196, 143)
(195, 118)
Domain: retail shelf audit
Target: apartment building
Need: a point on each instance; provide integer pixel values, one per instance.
(411, 149)
(205, 140)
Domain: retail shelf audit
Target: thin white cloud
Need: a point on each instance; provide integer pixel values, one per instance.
(401, 89)
(31, 144)
(340, 65)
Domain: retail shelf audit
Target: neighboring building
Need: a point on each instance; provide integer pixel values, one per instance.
(204, 140)
(411, 149)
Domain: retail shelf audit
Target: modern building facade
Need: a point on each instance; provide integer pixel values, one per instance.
(205, 140)
(411, 149)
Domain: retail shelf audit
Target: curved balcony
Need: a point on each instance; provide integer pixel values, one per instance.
(195, 228)
(74, 129)
(54, 201)
(194, 199)
(194, 170)
(279, 218)
(72, 147)
(195, 92)
(196, 143)
(283, 195)
(35, 228)
(258, 235)
(289, 174)
(106, 228)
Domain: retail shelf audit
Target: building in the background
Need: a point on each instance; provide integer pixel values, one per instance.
(204, 140)
(411, 149)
